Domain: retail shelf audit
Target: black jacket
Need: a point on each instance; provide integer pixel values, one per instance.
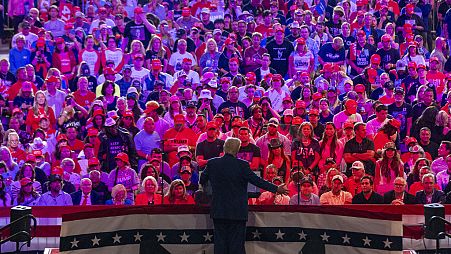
(375, 198)
(229, 178)
(122, 142)
(409, 199)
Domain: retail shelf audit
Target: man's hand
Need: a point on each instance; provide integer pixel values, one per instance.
(282, 189)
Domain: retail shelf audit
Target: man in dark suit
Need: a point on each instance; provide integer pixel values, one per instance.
(85, 196)
(399, 195)
(229, 178)
(429, 194)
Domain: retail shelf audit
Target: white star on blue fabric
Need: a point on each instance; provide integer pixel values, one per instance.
(208, 237)
(387, 243)
(302, 235)
(161, 237)
(184, 237)
(256, 234)
(117, 238)
(325, 237)
(366, 241)
(138, 237)
(346, 239)
(74, 243)
(279, 235)
(95, 241)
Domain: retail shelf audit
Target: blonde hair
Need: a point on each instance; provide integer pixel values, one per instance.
(117, 188)
(442, 119)
(149, 178)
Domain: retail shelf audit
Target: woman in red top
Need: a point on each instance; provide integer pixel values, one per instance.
(177, 194)
(149, 196)
(63, 59)
(40, 107)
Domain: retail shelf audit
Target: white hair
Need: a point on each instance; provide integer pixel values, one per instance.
(232, 146)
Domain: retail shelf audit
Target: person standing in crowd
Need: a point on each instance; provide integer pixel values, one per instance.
(229, 207)
(360, 148)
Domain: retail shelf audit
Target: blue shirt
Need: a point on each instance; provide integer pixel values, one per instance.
(329, 54)
(63, 199)
(18, 58)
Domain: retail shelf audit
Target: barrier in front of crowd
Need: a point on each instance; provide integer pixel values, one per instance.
(50, 220)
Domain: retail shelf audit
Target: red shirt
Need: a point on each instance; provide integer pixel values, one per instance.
(18, 155)
(185, 137)
(33, 120)
(86, 100)
(189, 201)
(141, 199)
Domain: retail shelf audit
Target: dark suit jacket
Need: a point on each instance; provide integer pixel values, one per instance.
(409, 199)
(229, 178)
(436, 197)
(76, 198)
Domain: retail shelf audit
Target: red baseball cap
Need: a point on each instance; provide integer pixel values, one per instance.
(179, 119)
(277, 77)
(300, 104)
(186, 12)
(301, 41)
(138, 10)
(317, 96)
(234, 59)
(123, 157)
(410, 8)
(211, 125)
(93, 162)
(351, 106)
(52, 79)
(376, 59)
(386, 37)
(359, 88)
(37, 153)
(348, 124)
(61, 137)
(411, 64)
(128, 113)
(251, 76)
(25, 181)
(109, 71)
(156, 64)
(395, 123)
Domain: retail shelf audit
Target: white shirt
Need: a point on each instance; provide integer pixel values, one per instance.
(29, 39)
(191, 76)
(341, 118)
(276, 98)
(141, 74)
(374, 125)
(177, 58)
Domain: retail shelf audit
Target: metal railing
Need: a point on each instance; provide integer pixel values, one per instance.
(20, 233)
(440, 234)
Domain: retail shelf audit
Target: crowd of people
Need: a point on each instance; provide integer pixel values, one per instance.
(124, 102)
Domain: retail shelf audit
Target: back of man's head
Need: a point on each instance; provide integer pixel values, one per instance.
(232, 146)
